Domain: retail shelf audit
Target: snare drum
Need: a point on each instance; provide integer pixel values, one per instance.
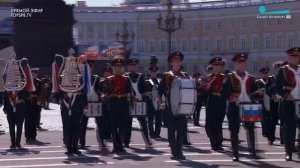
(297, 109)
(94, 105)
(94, 109)
(250, 112)
(183, 96)
(139, 109)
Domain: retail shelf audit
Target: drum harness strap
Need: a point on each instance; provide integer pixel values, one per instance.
(69, 104)
(135, 88)
(243, 97)
(92, 95)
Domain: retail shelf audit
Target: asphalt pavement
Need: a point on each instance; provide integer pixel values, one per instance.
(49, 151)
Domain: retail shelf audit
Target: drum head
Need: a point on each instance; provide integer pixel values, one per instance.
(175, 96)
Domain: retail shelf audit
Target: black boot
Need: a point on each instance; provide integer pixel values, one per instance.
(12, 139)
(18, 137)
(234, 144)
(115, 143)
(251, 143)
(120, 144)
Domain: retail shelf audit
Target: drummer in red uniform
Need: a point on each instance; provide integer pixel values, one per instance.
(176, 124)
(119, 91)
(240, 87)
(287, 86)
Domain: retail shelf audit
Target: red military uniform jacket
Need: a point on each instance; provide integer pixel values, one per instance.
(232, 86)
(118, 86)
(214, 84)
(286, 80)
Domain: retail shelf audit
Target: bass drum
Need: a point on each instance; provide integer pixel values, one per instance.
(183, 96)
(154, 99)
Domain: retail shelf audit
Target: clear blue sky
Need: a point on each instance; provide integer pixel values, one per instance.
(106, 2)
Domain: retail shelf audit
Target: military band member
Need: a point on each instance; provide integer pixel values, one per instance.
(272, 112)
(261, 84)
(15, 109)
(287, 86)
(153, 114)
(196, 114)
(72, 107)
(240, 87)
(99, 120)
(33, 109)
(175, 124)
(139, 91)
(107, 71)
(216, 104)
(119, 92)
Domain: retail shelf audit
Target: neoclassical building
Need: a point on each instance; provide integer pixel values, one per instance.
(208, 30)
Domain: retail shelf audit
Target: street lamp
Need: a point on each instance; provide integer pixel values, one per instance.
(168, 24)
(125, 37)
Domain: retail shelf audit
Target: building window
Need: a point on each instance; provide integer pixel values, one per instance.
(243, 24)
(195, 45)
(231, 43)
(206, 45)
(151, 46)
(231, 24)
(90, 28)
(183, 28)
(173, 46)
(255, 66)
(255, 43)
(268, 42)
(243, 43)
(290, 41)
(207, 26)
(141, 46)
(140, 28)
(279, 21)
(256, 22)
(278, 41)
(291, 21)
(152, 27)
(219, 44)
(195, 68)
(219, 25)
(268, 22)
(183, 45)
(162, 46)
(195, 27)
(267, 64)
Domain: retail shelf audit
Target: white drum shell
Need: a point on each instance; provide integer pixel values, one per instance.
(94, 109)
(139, 109)
(183, 96)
